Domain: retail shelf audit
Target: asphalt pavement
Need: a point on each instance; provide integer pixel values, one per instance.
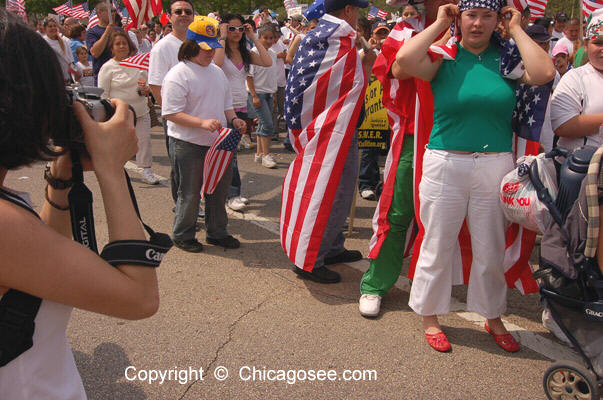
(258, 331)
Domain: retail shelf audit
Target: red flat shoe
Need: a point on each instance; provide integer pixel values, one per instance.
(506, 341)
(438, 341)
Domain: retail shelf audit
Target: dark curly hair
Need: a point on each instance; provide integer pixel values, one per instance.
(242, 43)
(33, 100)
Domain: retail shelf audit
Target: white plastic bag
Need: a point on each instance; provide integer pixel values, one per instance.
(518, 196)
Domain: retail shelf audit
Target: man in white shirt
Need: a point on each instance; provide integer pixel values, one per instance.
(164, 55)
(572, 34)
(577, 104)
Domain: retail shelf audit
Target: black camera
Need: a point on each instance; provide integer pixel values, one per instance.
(98, 108)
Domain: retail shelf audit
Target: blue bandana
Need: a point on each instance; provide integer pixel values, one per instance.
(494, 5)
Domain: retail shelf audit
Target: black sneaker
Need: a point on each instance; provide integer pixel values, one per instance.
(228, 242)
(288, 147)
(191, 245)
(320, 275)
(344, 257)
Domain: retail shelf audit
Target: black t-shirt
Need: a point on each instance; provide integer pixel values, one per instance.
(92, 36)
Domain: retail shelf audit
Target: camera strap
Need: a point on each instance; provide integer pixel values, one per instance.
(135, 252)
(80, 205)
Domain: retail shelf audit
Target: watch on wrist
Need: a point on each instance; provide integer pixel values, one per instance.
(55, 183)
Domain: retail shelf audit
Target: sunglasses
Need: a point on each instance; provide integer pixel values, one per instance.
(236, 29)
(181, 11)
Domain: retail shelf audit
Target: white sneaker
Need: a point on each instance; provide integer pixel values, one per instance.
(235, 204)
(149, 177)
(369, 305)
(257, 158)
(368, 194)
(244, 200)
(268, 161)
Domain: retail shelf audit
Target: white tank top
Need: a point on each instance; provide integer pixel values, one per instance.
(236, 78)
(47, 370)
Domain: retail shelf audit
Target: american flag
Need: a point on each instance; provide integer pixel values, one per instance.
(17, 7)
(64, 9)
(141, 11)
(126, 20)
(589, 6)
(93, 20)
(140, 61)
(323, 101)
(399, 100)
(375, 13)
(537, 7)
(217, 159)
(80, 11)
(519, 241)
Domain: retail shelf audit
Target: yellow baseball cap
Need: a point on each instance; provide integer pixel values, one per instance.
(204, 31)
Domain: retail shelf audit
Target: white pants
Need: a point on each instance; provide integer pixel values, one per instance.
(455, 187)
(144, 156)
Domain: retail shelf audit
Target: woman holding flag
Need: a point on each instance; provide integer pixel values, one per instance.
(469, 151)
(197, 103)
(130, 85)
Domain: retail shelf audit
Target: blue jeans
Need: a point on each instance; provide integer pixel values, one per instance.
(368, 178)
(265, 126)
(173, 177)
(235, 186)
(187, 163)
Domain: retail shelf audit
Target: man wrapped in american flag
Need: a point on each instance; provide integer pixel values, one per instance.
(324, 94)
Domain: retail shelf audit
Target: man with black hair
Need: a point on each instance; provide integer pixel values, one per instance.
(164, 55)
(97, 37)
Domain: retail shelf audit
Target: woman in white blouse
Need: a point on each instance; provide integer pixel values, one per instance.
(234, 59)
(577, 103)
(60, 45)
(130, 85)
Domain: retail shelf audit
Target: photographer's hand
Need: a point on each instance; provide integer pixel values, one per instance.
(110, 144)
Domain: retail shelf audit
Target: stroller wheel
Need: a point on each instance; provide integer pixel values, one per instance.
(569, 380)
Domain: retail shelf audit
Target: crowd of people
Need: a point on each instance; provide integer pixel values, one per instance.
(448, 60)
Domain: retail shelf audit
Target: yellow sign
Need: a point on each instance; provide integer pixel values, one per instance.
(374, 131)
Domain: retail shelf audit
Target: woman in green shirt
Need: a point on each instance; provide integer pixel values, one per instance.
(468, 154)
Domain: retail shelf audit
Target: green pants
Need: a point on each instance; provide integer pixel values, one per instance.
(385, 270)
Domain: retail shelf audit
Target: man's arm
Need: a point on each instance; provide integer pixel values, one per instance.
(99, 46)
(156, 90)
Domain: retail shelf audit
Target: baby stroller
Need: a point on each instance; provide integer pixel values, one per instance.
(570, 280)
